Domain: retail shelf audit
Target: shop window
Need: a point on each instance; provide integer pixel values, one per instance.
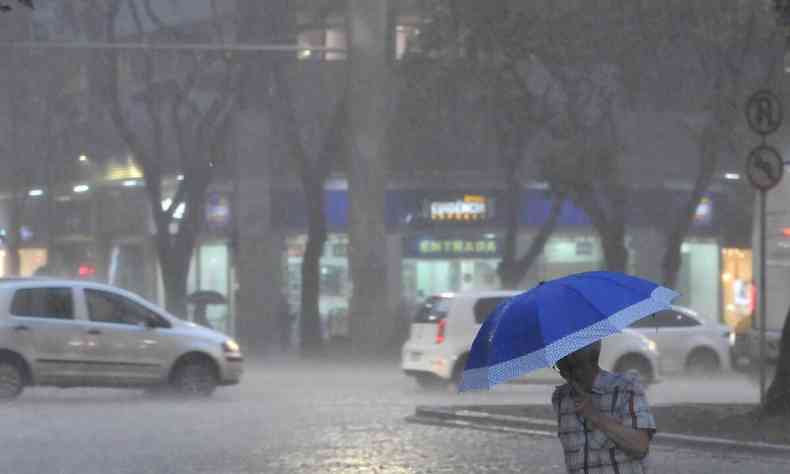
(332, 280)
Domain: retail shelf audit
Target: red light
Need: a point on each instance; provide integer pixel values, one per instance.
(440, 331)
(86, 271)
(786, 231)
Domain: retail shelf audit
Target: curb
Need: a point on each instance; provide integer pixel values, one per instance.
(464, 418)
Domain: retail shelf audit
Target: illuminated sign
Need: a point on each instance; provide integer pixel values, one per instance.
(704, 211)
(430, 247)
(217, 211)
(123, 171)
(471, 208)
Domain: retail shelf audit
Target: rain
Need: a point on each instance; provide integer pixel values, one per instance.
(274, 236)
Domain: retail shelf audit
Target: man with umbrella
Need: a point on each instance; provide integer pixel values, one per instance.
(604, 422)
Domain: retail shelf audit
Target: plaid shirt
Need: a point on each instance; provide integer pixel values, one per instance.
(590, 451)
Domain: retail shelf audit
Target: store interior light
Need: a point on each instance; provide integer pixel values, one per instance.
(130, 183)
(180, 177)
(35, 192)
(81, 188)
(83, 159)
(732, 176)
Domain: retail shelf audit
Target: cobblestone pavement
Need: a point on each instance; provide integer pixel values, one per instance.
(287, 418)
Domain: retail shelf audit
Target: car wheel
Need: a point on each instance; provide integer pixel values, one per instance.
(637, 364)
(12, 381)
(702, 363)
(195, 377)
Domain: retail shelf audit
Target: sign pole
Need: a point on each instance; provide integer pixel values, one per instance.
(762, 303)
(764, 168)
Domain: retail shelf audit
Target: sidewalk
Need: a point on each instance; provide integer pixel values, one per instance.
(712, 427)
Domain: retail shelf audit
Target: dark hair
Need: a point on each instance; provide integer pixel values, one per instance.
(593, 351)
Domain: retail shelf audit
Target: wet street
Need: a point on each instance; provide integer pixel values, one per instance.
(287, 418)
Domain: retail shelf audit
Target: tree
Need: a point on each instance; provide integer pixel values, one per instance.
(733, 51)
(369, 109)
(480, 46)
(42, 115)
(570, 43)
(181, 109)
(313, 170)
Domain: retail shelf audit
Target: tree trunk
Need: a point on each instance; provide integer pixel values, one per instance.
(515, 274)
(508, 267)
(614, 249)
(369, 87)
(673, 257)
(174, 280)
(310, 322)
(611, 229)
(777, 397)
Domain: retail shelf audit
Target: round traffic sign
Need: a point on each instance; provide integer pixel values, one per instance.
(764, 112)
(764, 167)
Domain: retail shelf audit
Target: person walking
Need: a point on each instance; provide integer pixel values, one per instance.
(604, 421)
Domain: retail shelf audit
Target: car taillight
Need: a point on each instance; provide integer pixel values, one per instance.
(440, 331)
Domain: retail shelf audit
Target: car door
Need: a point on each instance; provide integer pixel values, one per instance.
(671, 332)
(125, 344)
(45, 318)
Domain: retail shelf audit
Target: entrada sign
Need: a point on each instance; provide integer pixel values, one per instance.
(430, 247)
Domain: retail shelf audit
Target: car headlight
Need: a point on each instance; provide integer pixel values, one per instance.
(651, 345)
(231, 346)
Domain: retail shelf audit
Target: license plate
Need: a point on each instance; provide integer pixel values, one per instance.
(415, 356)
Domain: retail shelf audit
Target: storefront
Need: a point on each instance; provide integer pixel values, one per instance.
(738, 290)
(212, 263)
(335, 279)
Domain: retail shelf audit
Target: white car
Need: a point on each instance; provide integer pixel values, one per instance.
(445, 326)
(688, 342)
(68, 333)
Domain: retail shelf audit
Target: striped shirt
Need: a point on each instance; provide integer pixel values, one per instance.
(590, 451)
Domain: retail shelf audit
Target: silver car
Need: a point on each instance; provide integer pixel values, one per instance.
(68, 333)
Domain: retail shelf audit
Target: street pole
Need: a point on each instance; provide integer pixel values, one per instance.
(762, 303)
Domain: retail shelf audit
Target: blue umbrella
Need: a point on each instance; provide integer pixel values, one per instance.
(535, 329)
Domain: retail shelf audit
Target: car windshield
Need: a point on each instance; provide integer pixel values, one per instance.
(276, 235)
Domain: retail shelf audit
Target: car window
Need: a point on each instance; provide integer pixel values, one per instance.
(53, 303)
(485, 306)
(646, 322)
(666, 319)
(105, 307)
(433, 310)
(682, 320)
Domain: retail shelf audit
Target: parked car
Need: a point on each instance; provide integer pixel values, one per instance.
(688, 342)
(68, 333)
(445, 326)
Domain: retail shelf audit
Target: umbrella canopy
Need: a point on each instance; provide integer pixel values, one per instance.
(535, 329)
(206, 297)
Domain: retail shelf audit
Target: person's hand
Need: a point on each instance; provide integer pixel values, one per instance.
(582, 402)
